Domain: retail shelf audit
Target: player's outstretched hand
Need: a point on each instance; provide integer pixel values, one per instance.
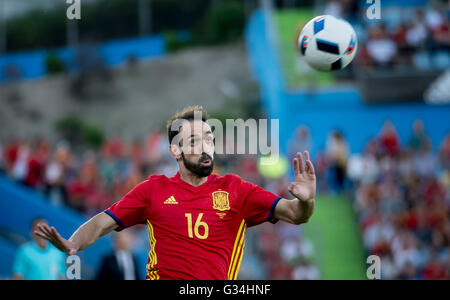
(51, 235)
(304, 185)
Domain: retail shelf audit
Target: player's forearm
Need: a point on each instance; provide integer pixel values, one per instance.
(294, 211)
(302, 210)
(92, 230)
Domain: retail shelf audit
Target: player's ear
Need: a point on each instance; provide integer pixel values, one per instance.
(175, 151)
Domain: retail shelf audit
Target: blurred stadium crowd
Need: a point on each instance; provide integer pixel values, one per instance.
(401, 196)
(416, 37)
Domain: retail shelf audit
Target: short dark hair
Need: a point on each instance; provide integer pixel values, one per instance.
(187, 113)
(36, 220)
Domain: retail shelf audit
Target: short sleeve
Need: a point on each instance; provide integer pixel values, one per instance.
(259, 204)
(20, 263)
(62, 263)
(132, 208)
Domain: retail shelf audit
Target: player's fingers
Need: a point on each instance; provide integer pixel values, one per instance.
(300, 162)
(51, 234)
(39, 231)
(306, 155)
(42, 235)
(310, 167)
(56, 234)
(291, 186)
(45, 229)
(296, 167)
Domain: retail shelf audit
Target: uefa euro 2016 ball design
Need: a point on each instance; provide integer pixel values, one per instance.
(328, 43)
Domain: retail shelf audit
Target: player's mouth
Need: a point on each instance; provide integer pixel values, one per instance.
(206, 163)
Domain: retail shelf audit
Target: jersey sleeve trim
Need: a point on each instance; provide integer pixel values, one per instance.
(270, 217)
(109, 213)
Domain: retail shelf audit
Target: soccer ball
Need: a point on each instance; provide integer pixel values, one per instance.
(328, 43)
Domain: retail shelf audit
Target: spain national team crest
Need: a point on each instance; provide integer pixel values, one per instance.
(220, 200)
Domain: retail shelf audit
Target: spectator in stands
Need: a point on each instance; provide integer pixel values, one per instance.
(301, 141)
(382, 50)
(36, 162)
(347, 9)
(405, 49)
(419, 140)
(2, 160)
(121, 263)
(364, 168)
(19, 168)
(417, 32)
(434, 15)
(38, 259)
(444, 153)
(334, 8)
(306, 271)
(409, 272)
(424, 162)
(11, 153)
(414, 40)
(388, 140)
(435, 270)
(438, 22)
(337, 153)
(54, 175)
(441, 36)
(98, 198)
(248, 165)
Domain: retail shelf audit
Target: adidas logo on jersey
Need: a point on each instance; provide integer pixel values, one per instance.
(171, 200)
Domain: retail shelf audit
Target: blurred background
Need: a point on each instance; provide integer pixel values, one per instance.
(83, 104)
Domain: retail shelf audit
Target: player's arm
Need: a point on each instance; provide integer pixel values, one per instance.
(300, 209)
(83, 237)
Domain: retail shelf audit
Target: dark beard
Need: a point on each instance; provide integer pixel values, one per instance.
(198, 169)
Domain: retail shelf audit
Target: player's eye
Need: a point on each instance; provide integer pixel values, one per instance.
(195, 141)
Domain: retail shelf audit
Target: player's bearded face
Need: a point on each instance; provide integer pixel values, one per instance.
(202, 167)
(196, 145)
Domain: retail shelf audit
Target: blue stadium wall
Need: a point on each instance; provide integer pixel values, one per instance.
(32, 64)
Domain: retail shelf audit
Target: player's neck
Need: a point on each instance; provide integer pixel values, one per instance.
(191, 178)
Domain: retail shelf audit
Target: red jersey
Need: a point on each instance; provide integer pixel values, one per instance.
(195, 232)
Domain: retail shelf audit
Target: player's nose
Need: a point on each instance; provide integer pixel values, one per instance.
(207, 149)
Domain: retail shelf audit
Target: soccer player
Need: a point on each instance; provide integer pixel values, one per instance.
(196, 220)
